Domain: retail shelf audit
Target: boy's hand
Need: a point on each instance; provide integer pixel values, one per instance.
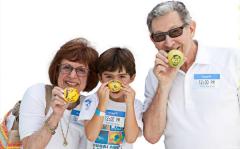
(129, 94)
(103, 96)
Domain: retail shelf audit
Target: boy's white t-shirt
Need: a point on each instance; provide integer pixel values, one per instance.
(32, 118)
(112, 133)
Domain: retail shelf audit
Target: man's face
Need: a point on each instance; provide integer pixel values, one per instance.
(168, 22)
(121, 76)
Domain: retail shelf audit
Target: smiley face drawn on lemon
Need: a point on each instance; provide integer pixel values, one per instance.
(115, 86)
(71, 95)
(175, 58)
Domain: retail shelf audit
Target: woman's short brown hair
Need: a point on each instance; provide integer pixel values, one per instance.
(76, 50)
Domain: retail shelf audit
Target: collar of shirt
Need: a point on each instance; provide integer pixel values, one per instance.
(202, 56)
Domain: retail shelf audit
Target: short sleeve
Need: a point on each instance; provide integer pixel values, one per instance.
(138, 107)
(88, 108)
(32, 116)
(150, 89)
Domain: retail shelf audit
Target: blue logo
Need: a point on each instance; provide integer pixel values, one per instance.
(87, 103)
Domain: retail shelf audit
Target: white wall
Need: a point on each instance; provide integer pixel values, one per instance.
(32, 31)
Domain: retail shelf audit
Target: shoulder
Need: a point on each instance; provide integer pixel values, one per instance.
(36, 88)
(138, 105)
(151, 78)
(150, 73)
(34, 91)
(34, 95)
(137, 102)
(221, 53)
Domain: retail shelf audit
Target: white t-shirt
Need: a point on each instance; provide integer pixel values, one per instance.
(32, 118)
(112, 134)
(203, 106)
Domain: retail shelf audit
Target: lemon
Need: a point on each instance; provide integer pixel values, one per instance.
(115, 86)
(175, 58)
(71, 95)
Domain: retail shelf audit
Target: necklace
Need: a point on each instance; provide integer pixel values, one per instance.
(65, 143)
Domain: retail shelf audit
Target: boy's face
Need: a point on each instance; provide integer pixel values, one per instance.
(121, 76)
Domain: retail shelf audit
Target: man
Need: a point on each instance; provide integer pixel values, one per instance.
(195, 106)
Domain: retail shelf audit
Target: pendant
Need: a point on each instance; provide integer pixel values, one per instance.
(65, 143)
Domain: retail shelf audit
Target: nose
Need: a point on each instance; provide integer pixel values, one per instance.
(73, 73)
(168, 42)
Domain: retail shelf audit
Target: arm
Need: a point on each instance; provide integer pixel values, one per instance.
(154, 118)
(131, 129)
(41, 138)
(94, 126)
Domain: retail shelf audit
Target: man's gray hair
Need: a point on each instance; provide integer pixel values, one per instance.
(165, 7)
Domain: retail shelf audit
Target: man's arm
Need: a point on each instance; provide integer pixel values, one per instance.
(154, 118)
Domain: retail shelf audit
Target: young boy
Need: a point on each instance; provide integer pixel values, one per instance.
(113, 119)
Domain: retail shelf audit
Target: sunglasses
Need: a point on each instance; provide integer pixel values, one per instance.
(67, 69)
(173, 33)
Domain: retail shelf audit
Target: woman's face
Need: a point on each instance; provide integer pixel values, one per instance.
(72, 74)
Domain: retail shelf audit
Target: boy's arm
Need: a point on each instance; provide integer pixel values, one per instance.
(94, 126)
(131, 127)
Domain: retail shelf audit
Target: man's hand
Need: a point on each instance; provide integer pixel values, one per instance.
(164, 73)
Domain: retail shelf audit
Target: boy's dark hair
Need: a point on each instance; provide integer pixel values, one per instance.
(116, 58)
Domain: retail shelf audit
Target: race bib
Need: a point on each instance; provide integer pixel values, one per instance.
(112, 134)
(74, 117)
(206, 81)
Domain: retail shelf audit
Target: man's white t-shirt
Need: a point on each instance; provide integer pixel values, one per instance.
(32, 118)
(112, 134)
(203, 106)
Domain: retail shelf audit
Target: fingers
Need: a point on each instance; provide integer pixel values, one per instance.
(162, 55)
(58, 101)
(128, 89)
(58, 96)
(103, 86)
(57, 91)
(103, 92)
(160, 69)
(161, 61)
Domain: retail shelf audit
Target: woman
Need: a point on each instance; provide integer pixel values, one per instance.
(72, 66)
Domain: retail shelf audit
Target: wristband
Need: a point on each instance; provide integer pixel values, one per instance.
(51, 130)
(99, 113)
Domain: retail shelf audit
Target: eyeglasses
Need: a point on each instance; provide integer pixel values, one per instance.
(173, 33)
(67, 69)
